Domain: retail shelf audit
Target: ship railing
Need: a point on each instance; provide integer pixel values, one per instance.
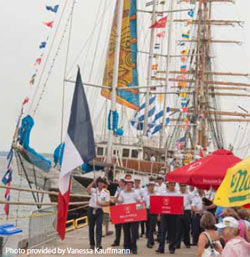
(42, 226)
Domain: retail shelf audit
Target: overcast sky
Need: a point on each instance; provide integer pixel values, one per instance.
(21, 32)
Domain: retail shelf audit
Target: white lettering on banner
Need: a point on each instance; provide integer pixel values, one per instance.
(194, 166)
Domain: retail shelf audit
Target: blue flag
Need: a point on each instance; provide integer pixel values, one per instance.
(43, 44)
(52, 8)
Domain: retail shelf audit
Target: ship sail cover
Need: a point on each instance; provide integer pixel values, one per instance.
(128, 76)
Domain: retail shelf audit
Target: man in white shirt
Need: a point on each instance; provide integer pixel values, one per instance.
(118, 227)
(184, 221)
(151, 218)
(161, 187)
(197, 208)
(139, 190)
(98, 199)
(129, 195)
(168, 224)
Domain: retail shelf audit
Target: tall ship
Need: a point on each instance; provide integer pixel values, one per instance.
(155, 90)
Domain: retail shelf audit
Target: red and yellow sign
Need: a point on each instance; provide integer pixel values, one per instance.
(126, 213)
(160, 204)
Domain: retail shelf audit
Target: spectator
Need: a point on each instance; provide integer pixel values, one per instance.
(209, 235)
(236, 246)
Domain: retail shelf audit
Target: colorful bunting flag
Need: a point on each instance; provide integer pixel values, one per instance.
(52, 8)
(49, 24)
(191, 13)
(7, 178)
(26, 100)
(38, 60)
(160, 23)
(32, 80)
(154, 66)
(149, 3)
(43, 44)
(183, 68)
(184, 52)
(189, 22)
(161, 34)
(185, 35)
(7, 198)
(180, 144)
(157, 46)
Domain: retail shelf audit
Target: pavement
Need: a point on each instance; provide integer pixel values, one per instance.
(76, 243)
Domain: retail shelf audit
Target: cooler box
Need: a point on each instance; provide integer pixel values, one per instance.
(9, 237)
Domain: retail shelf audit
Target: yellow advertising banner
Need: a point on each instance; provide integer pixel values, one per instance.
(235, 188)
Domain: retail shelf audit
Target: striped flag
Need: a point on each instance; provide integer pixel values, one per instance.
(139, 117)
(79, 148)
(6, 180)
(156, 125)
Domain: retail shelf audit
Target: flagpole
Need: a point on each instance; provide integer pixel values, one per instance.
(115, 76)
(169, 35)
(149, 76)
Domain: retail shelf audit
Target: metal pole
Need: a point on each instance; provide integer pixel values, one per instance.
(149, 80)
(170, 20)
(115, 75)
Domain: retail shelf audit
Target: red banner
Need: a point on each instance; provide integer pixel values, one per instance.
(126, 213)
(160, 204)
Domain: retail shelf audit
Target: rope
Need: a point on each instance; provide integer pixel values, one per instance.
(54, 59)
(47, 58)
(65, 68)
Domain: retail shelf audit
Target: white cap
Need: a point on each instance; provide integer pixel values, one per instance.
(228, 222)
(128, 180)
(151, 183)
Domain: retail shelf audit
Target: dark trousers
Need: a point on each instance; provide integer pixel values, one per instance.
(168, 224)
(151, 224)
(183, 228)
(130, 235)
(143, 228)
(95, 217)
(159, 230)
(196, 229)
(118, 229)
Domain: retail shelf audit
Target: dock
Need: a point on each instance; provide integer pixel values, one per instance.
(78, 240)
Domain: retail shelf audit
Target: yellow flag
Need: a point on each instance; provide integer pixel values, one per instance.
(235, 188)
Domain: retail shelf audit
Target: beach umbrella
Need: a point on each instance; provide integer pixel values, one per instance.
(235, 188)
(206, 172)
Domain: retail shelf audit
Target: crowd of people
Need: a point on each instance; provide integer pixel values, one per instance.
(214, 230)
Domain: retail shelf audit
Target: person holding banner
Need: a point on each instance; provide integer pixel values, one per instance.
(184, 221)
(140, 191)
(151, 218)
(118, 227)
(98, 199)
(169, 224)
(129, 195)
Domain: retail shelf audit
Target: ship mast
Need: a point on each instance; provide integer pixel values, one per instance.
(115, 77)
(149, 74)
(169, 35)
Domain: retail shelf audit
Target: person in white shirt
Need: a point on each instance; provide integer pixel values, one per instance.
(151, 218)
(139, 190)
(118, 227)
(184, 221)
(161, 187)
(98, 199)
(168, 224)
(152, 158)
(197, 208)
(129, 195)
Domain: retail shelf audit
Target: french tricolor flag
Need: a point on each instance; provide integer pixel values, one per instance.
(79, 148)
